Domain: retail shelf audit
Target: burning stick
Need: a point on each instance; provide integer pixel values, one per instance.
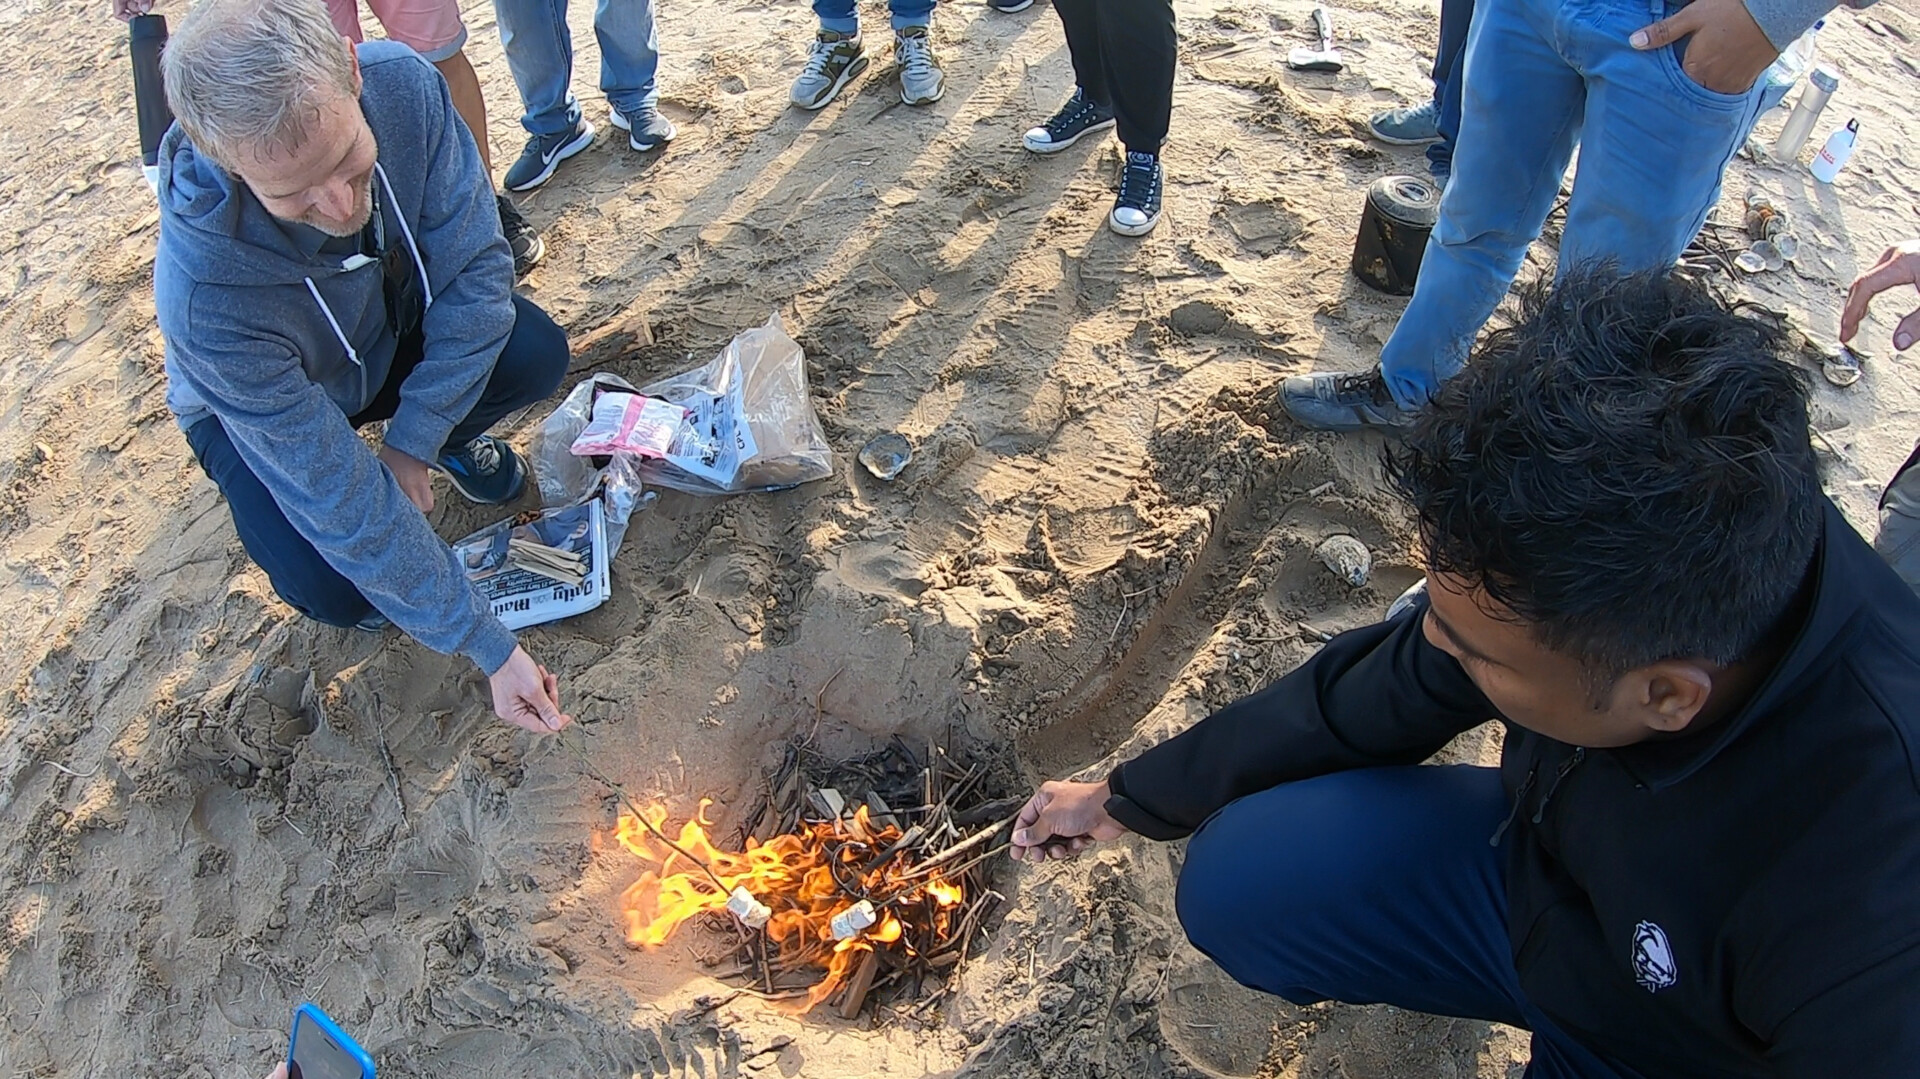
(593, 772)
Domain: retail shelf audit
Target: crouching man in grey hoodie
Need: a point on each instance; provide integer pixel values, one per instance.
(329, 257)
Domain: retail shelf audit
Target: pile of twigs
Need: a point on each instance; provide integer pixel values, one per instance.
(947, 823)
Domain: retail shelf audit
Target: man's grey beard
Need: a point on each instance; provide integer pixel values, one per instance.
(360, 219)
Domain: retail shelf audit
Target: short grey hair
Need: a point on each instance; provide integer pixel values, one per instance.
(253, 74)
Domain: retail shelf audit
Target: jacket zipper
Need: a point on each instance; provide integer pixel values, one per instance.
(1519, 799)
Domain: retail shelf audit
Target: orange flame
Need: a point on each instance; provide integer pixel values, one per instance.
(805, 878)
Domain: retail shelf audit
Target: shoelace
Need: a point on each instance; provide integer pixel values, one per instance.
(1362, 382)
(823, 50)
(916, 55)
(1139, 183)
(486, 456)
(1074, 114)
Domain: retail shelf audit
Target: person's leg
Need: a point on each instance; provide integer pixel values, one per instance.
(839, 16)
(1449, 70)
(629, 54)
(531, 366)
(1520, 115)
(1653, 146)
(346, 19)
(539, 50)
(1080, 20)
(468, 101)
(1373, 886)
(1898, 540)
(1137, 50)
(907, 13)
(298, 573)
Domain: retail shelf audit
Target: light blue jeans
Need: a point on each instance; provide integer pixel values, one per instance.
(843, 16)
(539, 49)
(1542, 75)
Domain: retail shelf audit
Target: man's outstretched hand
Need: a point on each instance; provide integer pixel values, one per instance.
(1899, 266)
(527, 695)
(125, 10)
(1063, 819)
(1728, 50)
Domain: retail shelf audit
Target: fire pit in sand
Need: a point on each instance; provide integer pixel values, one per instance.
(842, 896)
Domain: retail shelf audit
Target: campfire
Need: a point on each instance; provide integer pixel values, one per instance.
(843, 896)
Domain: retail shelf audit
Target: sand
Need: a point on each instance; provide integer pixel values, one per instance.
(213, 809)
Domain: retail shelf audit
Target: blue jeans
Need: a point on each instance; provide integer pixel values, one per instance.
(530, 368)
(1542, 75)
(539, 49)
(843, 17)
(1449, 70)
(1372, 887)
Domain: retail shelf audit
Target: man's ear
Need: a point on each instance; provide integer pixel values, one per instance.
(1670, 693)
(354, 55)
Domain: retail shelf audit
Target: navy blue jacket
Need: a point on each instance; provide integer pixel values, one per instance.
(1778, 851)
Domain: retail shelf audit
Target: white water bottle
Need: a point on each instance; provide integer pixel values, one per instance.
(1833, 156)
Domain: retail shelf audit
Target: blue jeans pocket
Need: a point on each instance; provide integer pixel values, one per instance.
(1673, 58)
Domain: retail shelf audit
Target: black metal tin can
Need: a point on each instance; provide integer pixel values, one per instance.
(1399, 216)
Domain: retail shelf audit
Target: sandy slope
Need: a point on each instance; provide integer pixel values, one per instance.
(213, 810)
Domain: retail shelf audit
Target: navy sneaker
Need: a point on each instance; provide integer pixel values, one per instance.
(487, 471)
(1137, 209)
(1335, 401)
(1077, 117)
(522, 239)
(1008, 7)
(646, 129)
(1411, 125)
(544, 154)
(373, 623)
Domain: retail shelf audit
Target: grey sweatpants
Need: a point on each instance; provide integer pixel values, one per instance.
(1899, 538)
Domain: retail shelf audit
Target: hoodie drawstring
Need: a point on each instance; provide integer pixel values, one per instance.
(1519, 799)
(352, 356)
(419, 264)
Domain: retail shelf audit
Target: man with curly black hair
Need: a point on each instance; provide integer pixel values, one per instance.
(1700, 852)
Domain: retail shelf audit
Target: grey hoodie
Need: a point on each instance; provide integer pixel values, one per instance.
(1784, 20)
(282, 344)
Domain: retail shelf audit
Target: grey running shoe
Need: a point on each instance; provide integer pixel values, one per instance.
(1336, 401)
(544, 154)
(835, 60)
(1412, 125)
(921, 80)
(646, 129)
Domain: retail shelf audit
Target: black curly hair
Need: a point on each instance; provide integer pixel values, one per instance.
(1627, 469)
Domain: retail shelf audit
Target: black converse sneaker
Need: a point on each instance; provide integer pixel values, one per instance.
(1137, 209)
(1076, 118)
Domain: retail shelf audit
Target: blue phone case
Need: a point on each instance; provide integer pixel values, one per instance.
(332, 1029)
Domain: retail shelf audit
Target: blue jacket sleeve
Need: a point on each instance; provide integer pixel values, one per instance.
(1375, 696)
(470, 270)
(336, 493)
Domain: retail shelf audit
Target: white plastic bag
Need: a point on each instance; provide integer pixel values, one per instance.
(566, 480)
(752, 427)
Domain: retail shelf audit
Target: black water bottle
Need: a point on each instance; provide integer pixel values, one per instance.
(147, 35)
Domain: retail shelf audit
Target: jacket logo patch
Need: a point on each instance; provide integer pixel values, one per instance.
(1653, 964)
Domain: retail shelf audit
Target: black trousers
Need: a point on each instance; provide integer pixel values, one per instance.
(1123, 54)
